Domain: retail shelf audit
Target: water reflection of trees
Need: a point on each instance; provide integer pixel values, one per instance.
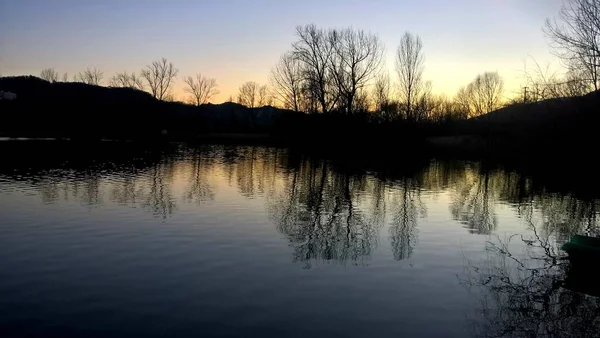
(478, 190)
(473, 202)
(523, 294)
(328, 210)
(407, 208)
(199, 187)
(159, 197)
(318, 211)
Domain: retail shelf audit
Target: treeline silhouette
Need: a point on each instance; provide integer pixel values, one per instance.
(82, 111)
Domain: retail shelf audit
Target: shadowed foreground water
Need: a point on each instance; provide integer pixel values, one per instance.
(118, 241)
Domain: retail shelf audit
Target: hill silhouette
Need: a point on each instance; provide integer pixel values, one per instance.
(78, 110)
(561, 124)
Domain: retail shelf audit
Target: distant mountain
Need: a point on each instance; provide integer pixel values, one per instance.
(80, 110)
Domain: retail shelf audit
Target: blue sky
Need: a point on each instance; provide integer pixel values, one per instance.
(237, 41)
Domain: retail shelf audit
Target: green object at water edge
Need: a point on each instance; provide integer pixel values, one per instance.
(584, 258)
(583, 245)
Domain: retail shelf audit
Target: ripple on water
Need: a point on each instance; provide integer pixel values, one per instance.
(244, 240)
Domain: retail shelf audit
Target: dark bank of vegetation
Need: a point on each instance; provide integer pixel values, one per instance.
(332, 89)
(82, 111)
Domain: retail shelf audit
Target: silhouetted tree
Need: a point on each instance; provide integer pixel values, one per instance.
(381, 93)
(248, 94)
(170, 97)
(361, 103)
(91, 76)
(410, 66)
(577, 37)
(425, 104)
(543, 83)
(309, 101)
(264, 97)
(160, 75)
(126, 80)
(286, 81)
(201, 88)
(314, 50)
(356, 59)
(65, 77)
(483, 95)
(444, 109)
(49, 74)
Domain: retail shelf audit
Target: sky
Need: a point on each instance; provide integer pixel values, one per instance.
(235, 41)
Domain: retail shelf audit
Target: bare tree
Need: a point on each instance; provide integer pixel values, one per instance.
(309, 98)
(264, 97)
(483, 95)
(201, 88)
(410, 64)
(169, 97)
(356, 60)
(573, 84)
(490, 90)
(91, 76)
(160, 76)
(65, 77)
(381, 92)
(361, 103)
(248, 94)
(49, 74)
(463, 102)
(286, 80)
(126, 80)
(314, 51)
(577, 37)
(543, 83)
(425, 104)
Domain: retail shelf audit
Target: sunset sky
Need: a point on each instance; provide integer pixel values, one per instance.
(240, 40)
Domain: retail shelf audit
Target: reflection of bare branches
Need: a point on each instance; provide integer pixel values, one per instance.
(200, 189)
(403, 230)
(522, 294)
(87, 189)
(49, 190)
(319, 215)
(125, 191)
(566, 216)
(473, 205)
(159, 200)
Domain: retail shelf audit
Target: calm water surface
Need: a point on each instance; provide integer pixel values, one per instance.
(117, 241)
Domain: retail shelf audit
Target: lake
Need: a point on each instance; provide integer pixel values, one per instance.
(124, 240)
